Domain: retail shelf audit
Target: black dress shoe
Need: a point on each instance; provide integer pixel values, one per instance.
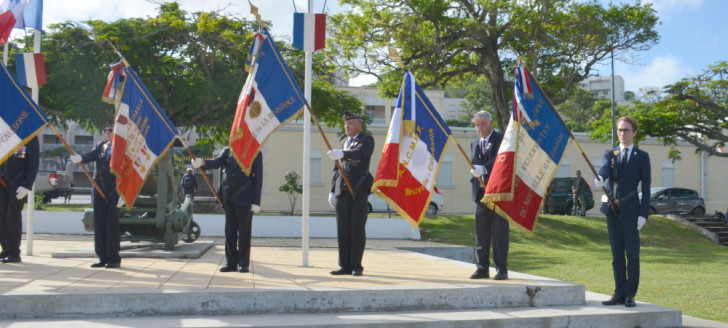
(98, 264)
(501, 276)
(480, 274)
(113, 265)
(229, 269)
(340, 272)
(244, 269)
(3, 255)
(616, 299)
(629, 302)
(357, 273)
(12, 259)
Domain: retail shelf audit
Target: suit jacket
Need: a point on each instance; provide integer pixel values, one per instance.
(101, 154)
(21, 168)
(355, 164)
(637, 170)
(237, 187)
(487, 160)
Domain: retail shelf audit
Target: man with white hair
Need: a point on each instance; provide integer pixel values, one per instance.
(489, 226)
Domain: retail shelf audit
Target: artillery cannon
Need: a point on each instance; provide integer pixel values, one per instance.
(157, 214)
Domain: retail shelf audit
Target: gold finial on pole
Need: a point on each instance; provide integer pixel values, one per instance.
(393, 54)
(254, 11)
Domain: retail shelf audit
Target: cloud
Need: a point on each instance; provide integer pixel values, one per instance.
(661, 71)
(669, 9)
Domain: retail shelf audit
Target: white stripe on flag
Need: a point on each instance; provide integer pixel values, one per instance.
(309, 32)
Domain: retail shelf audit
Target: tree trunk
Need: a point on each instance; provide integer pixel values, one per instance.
(494, 72)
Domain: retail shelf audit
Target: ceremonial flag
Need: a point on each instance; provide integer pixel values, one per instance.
(309, 31)
(11, 15)
(33, 15)
(30, 69)
(114, 82)
(142, 133)
(530, 154)
(412, 152)
(20, 118)
(268, 100)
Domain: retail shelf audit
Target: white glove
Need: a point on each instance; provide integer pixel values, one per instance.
(120, 203)
(21, 192)
(335, 154)
(255, 208)
(76, 158)
(197, 162)
(332, 199)
(641, 222)
(478, 170)
(599, 181)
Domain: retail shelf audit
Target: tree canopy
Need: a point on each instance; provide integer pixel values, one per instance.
(694, 109)
(450, 40)
(192, 63)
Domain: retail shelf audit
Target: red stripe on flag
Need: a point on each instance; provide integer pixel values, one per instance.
(40, 71)
(410, 194)
(320, 35)
(7, 21)
(524, 207)
(246, 146)
(387, 169)
(128, 181)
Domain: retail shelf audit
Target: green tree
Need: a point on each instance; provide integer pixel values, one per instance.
(292, 188)
(442, 41)
(693, 110)
(578, 111)
(192, 63)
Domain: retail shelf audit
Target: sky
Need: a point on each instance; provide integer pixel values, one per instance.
(692, 32)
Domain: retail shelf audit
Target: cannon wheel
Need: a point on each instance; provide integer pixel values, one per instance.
(192, 233)
(169, 236)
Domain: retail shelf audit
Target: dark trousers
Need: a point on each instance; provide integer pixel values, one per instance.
(491, 227)
(107, 232)
(11, 222)
(624, 238)
(238, 226)
(351, 220)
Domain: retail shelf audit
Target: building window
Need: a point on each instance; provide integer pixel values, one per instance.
(315, 168)
(565, 168)
(444, 174)
(668, 173)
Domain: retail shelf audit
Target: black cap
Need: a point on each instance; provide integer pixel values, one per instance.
(110, 123)
(350, 116)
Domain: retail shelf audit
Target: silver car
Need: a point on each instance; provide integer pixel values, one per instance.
(673, 200)
(376, 204)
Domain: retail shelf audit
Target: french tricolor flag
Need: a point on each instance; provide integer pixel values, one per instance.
(309, 31)
(30, 69)
(11, 13)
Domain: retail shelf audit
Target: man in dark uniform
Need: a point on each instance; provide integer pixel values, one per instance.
(17, 175)
(351, 211)
(577, 188)
(189, 183)
(241, 198)
(624, 169)
(107, 232)
(489, 226)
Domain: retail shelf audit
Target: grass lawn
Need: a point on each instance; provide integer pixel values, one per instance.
(679, 267)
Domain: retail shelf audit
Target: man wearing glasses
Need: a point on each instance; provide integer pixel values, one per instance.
(107, 234)
(622, 171)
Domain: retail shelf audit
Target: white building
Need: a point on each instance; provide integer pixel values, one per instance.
(601, 87)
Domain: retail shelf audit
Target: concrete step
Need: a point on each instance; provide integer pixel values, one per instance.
(590, 314)
(125, 303)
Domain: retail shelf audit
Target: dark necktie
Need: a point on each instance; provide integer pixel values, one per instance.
(624, 159)
(483, 143)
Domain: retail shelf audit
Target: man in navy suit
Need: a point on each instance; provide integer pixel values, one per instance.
(17, 175)
(351, 211)
(241, 198)
(621, 173)
(489, 226)
(107, 230)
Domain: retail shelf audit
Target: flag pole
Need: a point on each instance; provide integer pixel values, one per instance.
(254, 11)
(393, 54)
(588, 162)
(204, 174)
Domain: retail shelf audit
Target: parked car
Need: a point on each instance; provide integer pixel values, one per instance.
(377, 204)
(559, 199)
(675, 200)
(52, 182)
